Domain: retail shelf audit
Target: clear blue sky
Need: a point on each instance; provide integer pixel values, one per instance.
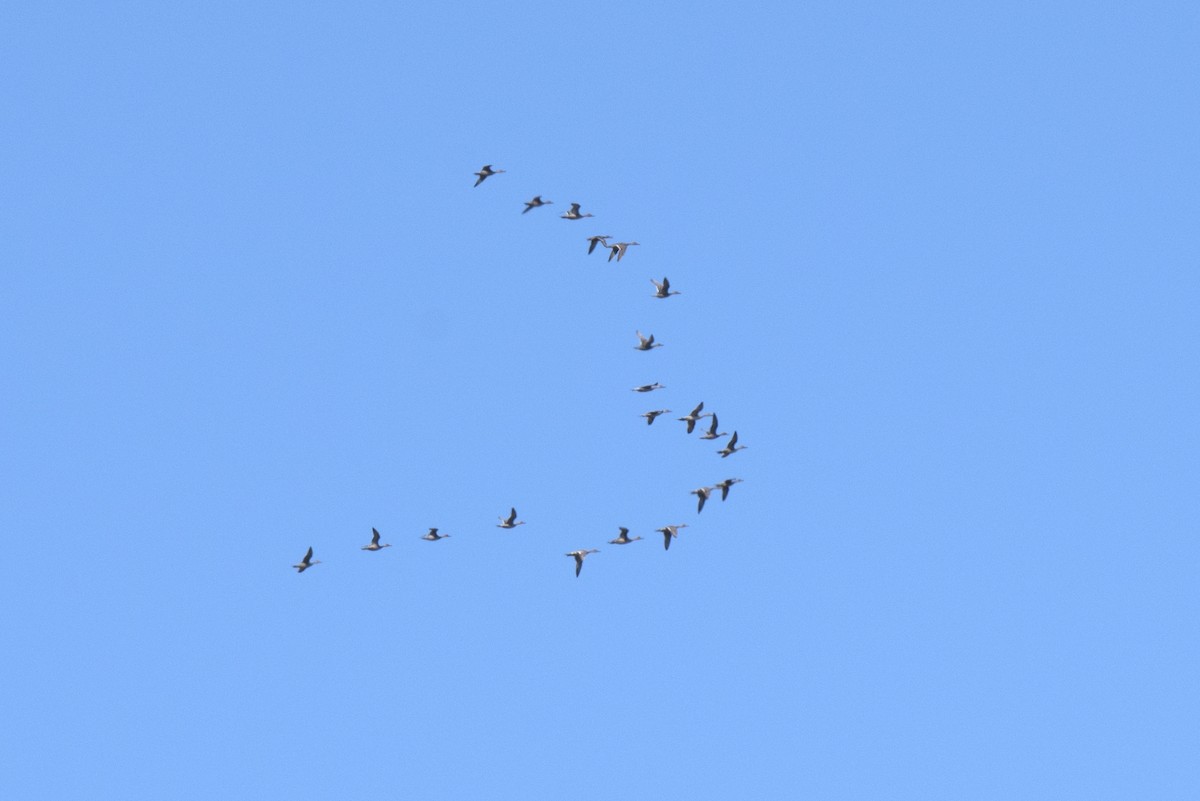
(939, 269)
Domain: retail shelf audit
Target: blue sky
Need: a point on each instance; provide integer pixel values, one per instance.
(939, 269)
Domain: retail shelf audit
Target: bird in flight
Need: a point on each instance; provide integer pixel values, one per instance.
(702, 494)
(623, 538)
(653, 414)
(375, 546)
(573, 213)
(731, 447)
(664, 289)
(725, 485)
(646, 344)
(648, 387)
(486, 173)
(537, 201)
(579, 557)
(618, 249)
(433, 535)
(306, 562)
(692, 417)
(597, 240)
(712, 432)
(511, 521)
(670, 532)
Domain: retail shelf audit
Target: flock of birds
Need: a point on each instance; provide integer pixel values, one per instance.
(616, 250)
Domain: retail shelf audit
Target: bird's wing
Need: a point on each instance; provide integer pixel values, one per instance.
(374, 536)
(307, 556)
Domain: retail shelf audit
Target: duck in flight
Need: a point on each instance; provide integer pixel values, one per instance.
(618, 249)
(693, 417)
(664, 289)
(433, 535)
(579, 557)
(725, 485)
(712, 432)
(486, 173)
(511, 521)
(537, 201)
(623, 538)
(702, 494)
(573, 213)
(375, 546)
(731, 447)
(648, 387)
(646, 343)
(653, 414)
(306, 562)
(669, 532)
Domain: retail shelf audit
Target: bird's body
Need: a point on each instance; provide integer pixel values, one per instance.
(653, 414)
(712, 432)
(597, 240)
(702, 493)
(486, 173)
(573, 213)
(433, 535)
(306, 562)
(623, 538)
(648, 387)
(669, 533)
(375, 546)
(537, 201)
(664, 289)
(511, 521)
(579, 557)
(618, 249)
(693, 417)
(731, 447)
(725, 485)
(646, 343)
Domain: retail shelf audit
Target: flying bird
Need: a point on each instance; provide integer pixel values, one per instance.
(646, 344)
(597, 240)
(433, 535)
(692, 417)
(664, 289)
(725, 485)
(731, 447)
(511, 521)
(573, 213)
(648, 387)
(375, 546)
(537, 201)
(306, 562)
(653, 414)
(618, 249)
(668, 533)
(486, 173)
(623, 538)
(579, 557)
(712, 432)
(702, 494)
